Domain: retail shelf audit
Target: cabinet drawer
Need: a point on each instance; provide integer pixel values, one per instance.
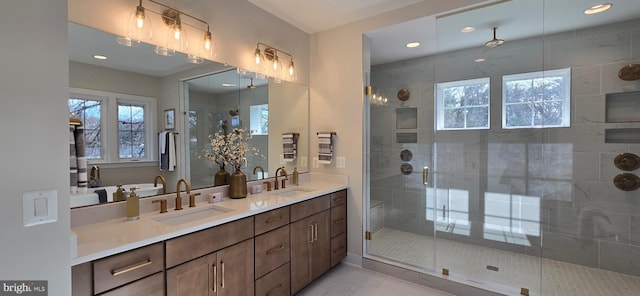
(307, 208)
(338, 220)
(272, 250)
(271, 220)
(275, 283)
(194, 245)
(338, 248)
(338, 198)
(150, 286)
(126, 267)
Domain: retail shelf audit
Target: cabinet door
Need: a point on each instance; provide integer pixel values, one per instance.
(321, 245)
(194, 278)
(149, 286)
(301, 238)
(235, 275)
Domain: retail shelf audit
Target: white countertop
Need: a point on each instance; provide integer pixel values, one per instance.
(102, 239)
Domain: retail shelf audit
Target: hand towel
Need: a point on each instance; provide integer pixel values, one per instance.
(167, 151)
(290, 146)
(325, 147)
(77, 159)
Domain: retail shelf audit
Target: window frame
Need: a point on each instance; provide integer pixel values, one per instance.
(440, 103)
(565, 73)
(109, 122)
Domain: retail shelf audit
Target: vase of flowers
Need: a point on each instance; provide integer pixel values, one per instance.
(232, 149)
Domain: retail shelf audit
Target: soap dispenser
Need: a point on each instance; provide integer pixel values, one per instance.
(119, 194)
(133, 205)
(294, 180)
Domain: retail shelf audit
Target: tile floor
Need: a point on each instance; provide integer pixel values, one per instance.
(515, 270)
(345, 279)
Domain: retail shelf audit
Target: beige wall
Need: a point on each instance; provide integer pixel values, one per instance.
(33, 121)
(337, 98)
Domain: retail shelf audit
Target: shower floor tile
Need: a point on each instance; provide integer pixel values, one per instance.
(469, 263)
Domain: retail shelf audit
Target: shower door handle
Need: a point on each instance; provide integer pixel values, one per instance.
(425, 175)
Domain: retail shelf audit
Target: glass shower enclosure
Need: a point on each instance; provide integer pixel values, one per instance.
(497, 164)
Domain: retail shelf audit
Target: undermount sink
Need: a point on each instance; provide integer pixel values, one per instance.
(291, 192)
(191, 215)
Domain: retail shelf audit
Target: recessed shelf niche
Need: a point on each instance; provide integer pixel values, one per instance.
(622, 107)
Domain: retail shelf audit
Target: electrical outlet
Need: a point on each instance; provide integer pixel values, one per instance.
(315, 163)
(340, 162)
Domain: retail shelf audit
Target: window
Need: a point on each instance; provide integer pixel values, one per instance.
(89, 110)
(259, 119)
(537, 99)
(463, 104)
(118, 127)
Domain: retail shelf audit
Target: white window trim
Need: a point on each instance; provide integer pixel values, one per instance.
(440, 102)
(109, 121)
(566, 101)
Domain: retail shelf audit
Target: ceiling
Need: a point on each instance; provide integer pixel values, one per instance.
(515, 19)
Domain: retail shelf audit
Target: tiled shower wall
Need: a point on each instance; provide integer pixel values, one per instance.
(569, 169)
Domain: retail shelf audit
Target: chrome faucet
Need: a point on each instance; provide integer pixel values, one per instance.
(178, 198)
(283, 172)
(164, 183)
(261, 169)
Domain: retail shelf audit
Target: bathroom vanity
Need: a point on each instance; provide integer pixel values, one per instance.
(272, 243)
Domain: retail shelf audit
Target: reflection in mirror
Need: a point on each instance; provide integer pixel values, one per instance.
(139, 71)
(221, 102)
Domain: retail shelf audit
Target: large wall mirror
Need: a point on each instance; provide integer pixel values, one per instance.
(205, 98)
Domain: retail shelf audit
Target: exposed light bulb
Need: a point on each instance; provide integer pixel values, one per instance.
(207, 40)
(176, 32)
(140, 16)
(257, 56)
(275, 63)
(291, 69)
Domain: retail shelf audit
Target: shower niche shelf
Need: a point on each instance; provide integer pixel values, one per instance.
(622, 107)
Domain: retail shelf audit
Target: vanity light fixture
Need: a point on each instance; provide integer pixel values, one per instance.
(495, 41)
(598, 8)
(176, 37)
(268, 62)
(412, 44)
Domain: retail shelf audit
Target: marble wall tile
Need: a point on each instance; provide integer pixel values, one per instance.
(550, 190)
(586, 166)
(588, 109)
(605, 196)
(635, 45)
(550, 161)
(634, 231)
(611, 83)
(620, 258)
(570, 249)
(595, 49)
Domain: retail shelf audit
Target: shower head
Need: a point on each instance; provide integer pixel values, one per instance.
(495, 41)
(251, 86)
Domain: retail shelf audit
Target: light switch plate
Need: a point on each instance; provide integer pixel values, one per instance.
(315, 163)
(39, 207)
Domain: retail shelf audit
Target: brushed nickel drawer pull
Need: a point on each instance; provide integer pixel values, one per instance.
(425, 175)
(215, 278)
(337, 199)
(119, 271)
(276, 249)
(338, 221)
(273, 219)
(276, 288)
(222, 284)
(338, 249)
(315, 231)
(311, 233)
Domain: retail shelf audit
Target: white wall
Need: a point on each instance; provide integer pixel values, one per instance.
(336, 94)
(34, 120)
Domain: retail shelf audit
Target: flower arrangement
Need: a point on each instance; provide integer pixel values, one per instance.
(230, 149)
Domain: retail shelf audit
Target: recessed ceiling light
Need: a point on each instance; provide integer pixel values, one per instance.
(99, 57)
(413, 44)
(598, 8)
(467, 29)
(228, 84)
(480, 60)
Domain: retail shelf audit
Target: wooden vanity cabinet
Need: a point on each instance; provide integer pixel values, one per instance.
(223, 263)
(338, 226)
(310, 241)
